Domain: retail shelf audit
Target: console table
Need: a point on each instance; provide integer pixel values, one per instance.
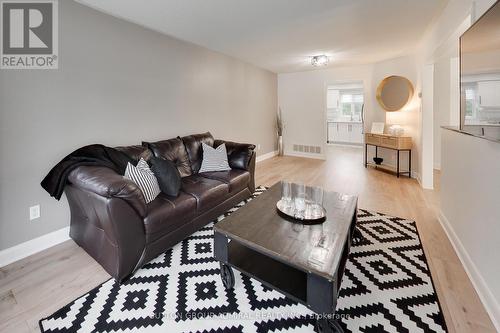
(397, 143)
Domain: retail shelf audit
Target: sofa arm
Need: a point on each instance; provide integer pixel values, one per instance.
(251, 169)
(239, 154)
(107, 183)
(109, 229)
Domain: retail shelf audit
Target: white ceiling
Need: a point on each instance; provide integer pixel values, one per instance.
(282, 35)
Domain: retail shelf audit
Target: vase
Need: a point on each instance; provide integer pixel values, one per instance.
(280, 145)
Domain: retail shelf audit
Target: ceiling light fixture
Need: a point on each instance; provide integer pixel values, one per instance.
(319, 60)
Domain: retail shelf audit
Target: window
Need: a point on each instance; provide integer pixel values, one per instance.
(351, 104)
(471, 102)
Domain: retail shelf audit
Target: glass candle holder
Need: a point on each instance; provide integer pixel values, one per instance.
(299, 199)
(286, 194)
(314, 195)
(314, 200)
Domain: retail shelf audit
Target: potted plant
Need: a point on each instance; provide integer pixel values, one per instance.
(279, 132)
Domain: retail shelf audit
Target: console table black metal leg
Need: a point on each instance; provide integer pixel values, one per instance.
(397, 169)
(409, 163)
(366, 155)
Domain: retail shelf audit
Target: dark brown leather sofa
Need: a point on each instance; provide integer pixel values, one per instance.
(112, 222)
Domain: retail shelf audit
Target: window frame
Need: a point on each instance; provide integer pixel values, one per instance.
(475, 100)
(353, 103)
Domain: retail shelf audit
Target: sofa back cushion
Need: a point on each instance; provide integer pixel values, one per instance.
(173, 150)
(194, 149)
(136, 152)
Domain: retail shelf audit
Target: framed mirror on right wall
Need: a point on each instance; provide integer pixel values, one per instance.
(480, 76)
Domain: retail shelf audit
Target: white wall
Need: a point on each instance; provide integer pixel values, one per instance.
(438, 46)
(441, 104)
(302, 98)
(470, 181)
(117, 84)
(409, 116)
(470, 210)
(426, 147)
(454, 118)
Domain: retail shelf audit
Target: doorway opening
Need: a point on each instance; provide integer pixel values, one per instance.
(345, 113)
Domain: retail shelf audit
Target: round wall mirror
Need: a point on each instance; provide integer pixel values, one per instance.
(394, 92)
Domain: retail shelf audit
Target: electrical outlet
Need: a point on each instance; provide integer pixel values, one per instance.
(258, 146)
(34, 212)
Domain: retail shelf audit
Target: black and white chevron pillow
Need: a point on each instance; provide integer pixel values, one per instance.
(144, 178)
(214, 159)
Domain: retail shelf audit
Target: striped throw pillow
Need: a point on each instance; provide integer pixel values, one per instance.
(214, 159)
(144, 178)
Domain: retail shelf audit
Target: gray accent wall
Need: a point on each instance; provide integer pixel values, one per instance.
(117, 84)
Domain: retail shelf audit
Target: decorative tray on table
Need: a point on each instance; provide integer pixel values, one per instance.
(303, 204)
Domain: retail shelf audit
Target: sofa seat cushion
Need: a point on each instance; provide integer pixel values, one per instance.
(165, 214)
(207, 192)
(236, 179)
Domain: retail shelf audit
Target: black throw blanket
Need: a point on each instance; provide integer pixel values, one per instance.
(95, 155)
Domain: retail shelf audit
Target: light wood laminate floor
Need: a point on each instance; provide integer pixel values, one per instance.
(37, 286)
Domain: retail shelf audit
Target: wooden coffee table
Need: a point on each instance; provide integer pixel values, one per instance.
(304, 262)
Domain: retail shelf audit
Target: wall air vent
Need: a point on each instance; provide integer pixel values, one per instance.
(307, 149)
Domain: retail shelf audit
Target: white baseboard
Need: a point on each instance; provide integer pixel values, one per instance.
(416, 176)
(33, 246)
(487, 298)
(345, 145)
(266, 156)
(306, 155)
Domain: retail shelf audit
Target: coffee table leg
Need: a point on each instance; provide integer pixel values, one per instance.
(325, 325)
(227, 276)
(220, 253)
(336, 326)
(321, 298)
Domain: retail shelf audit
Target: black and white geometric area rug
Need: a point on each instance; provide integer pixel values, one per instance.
(386, 287)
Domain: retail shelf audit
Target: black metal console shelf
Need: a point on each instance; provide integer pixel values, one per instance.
(385, 167)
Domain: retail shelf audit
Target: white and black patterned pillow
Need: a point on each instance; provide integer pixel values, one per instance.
(214, 159)
(144, 178)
